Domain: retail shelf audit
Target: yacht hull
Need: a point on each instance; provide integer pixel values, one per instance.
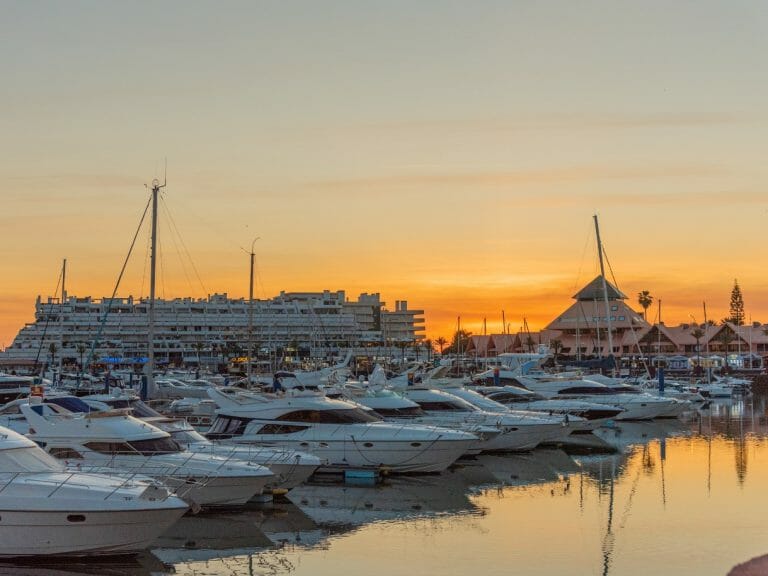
(219, 491)
(523, 438)
(104, 532)
(423, 456)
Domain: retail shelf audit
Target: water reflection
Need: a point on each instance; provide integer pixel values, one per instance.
(689, 493)
(144, 564)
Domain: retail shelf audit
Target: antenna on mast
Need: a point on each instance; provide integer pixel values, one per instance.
(156, 187)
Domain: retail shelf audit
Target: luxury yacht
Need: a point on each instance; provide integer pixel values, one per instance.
(636, 405)
(392, 406)
(344, 434)
(290, 467)
(48, 510)
(519, 431)
(116, 442)
(520, 398)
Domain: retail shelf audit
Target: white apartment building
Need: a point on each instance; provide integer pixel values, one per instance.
(188, 330)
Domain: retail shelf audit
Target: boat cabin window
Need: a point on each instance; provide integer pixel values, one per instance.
(10, 409)
(65, 454)
(143, 447)
(70, 403)
(343, 416)
(109, 447)
(227, 427)
(509, 397)
(408, 411)
(587, 390)
(444, 406)
(155, 446)
(280, 429)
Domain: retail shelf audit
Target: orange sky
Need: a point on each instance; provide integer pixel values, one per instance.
(450, 155)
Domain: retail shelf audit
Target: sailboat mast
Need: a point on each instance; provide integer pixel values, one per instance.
(605, 286)
(61, 315)
(152, 274)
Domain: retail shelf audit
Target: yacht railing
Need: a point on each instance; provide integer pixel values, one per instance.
(127, 481)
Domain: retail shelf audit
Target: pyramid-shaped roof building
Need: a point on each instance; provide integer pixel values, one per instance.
(594, 291)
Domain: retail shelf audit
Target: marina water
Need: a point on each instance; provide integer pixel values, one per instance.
(679, 497)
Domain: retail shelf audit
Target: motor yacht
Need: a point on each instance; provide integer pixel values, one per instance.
(520, 398)
(636, 405)
(117, 442)
(290, 467)
(519, 431)
(343, 434)
(392, 406)
(47, 510)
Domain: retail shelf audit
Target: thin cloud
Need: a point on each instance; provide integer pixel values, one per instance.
(565, 122)
(518, 177)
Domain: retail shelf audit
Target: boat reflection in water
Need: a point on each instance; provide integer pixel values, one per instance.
(685, 498)
(144, 564)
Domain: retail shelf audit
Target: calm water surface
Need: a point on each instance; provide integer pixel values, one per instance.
(680, 497)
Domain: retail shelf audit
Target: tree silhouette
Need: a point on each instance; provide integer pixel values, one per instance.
(429, 345)
(459, 342)
(737, 305)
(441, 342)
(645, 300)
(52, 350)
(698, 333)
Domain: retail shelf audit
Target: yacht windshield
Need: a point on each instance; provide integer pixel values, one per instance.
(70, 403)
(187, 436)
(28, 459)
(141, 410)
(407, 411)
(155, 446)
(484, 403)
(448, 405)
(143, 447)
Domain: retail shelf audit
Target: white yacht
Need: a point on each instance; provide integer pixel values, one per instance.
(574, 423)
(636, 405)
(520, 398)
(342, 433)
(173, 389)
(392, 406)
(47, 510)
(519, 431)
(117, 442)
(290, 467)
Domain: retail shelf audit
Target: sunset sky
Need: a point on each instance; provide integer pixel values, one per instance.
(451, 154)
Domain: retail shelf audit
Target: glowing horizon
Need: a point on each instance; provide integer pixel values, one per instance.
(447, 155)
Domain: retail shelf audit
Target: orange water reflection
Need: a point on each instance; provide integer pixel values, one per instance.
(679, 498)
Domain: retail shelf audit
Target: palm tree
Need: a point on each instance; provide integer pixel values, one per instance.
(530, 343)
(52, 350)
(428, 344)
(698, 333)
(441, 342)
(81, 349)
(725, 339)
(645, 300)
(198, 346)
